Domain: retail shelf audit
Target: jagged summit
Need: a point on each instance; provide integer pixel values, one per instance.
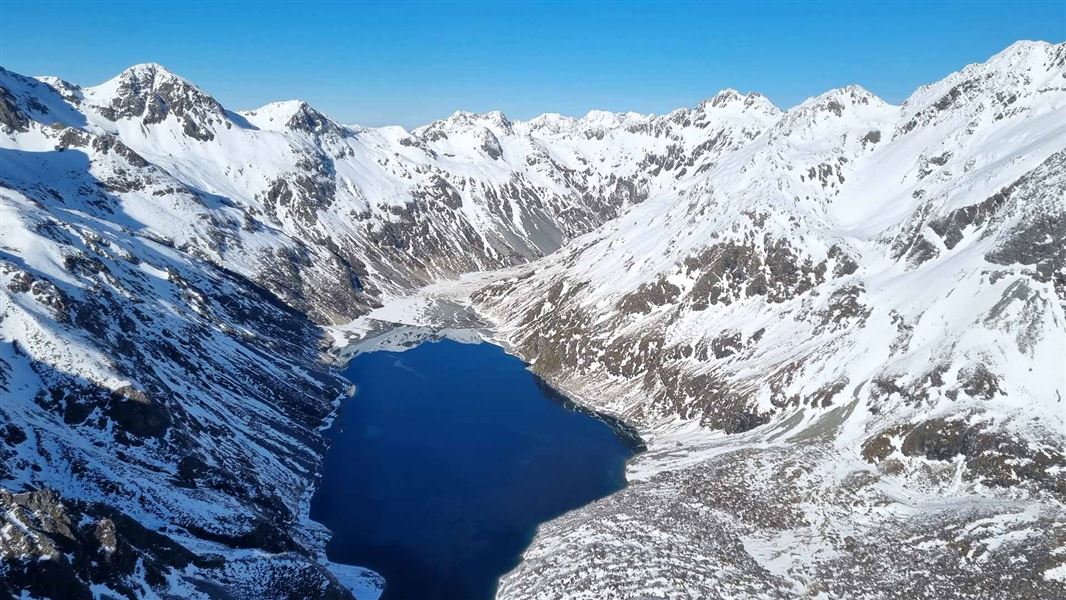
(150, 70)
(25, 100)
(552, 122)
(144, 75)
(152, 93)
(730, 103)
(731, 97)
(1025, 50)
(1023, 73)
(141, 80)
(57, 83)
(836, 110)
(606, 118)
(464, 120)
(725, 96)
(295, 115)
(841, 99)
(1019, 58)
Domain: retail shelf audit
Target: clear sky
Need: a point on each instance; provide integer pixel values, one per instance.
(410, 63)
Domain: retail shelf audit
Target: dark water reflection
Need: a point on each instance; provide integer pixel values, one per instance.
(445, 462)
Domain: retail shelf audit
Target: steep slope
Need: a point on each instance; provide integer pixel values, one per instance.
(133, 384)
(869, 299)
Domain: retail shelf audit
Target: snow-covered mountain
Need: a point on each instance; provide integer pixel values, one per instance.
(867, 301)
(840, 326)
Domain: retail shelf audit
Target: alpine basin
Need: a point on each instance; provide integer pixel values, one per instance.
(446, 460)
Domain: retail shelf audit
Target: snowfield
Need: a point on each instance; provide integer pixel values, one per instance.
(839, 328)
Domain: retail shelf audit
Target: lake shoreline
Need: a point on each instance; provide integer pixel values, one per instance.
(521, 436)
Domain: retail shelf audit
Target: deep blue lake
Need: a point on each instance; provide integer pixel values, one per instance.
(445, 461)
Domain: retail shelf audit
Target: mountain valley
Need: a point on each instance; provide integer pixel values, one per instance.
(839, 330)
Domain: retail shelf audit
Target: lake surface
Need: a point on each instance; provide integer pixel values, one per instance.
(446, 460)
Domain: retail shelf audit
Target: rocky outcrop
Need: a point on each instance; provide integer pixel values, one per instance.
(151, 94)
(62, 549)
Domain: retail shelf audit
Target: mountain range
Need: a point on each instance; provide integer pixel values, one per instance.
(839, 329)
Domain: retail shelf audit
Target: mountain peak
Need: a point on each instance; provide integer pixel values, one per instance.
(1025, 47)
(853, 93)
(553, 122)
(462, 120)
(608, 119)
(69, 91)
(142, 79)
(151, 92)
(146, 68)
(1025, 55)
(839, 100)
(725, 96)
(150, 72)
(296, 115)
(494, 117)
(731, 98)
(1024, 68)
(848, 106)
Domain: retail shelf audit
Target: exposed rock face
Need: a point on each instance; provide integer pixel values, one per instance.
(57, 549)
(820, 316)
(10, 116)
(151, 94)
(990, 457)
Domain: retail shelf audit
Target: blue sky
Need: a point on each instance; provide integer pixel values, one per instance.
(410, 63)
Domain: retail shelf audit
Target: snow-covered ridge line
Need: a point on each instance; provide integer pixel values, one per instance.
(724, 97)
(727, 96)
